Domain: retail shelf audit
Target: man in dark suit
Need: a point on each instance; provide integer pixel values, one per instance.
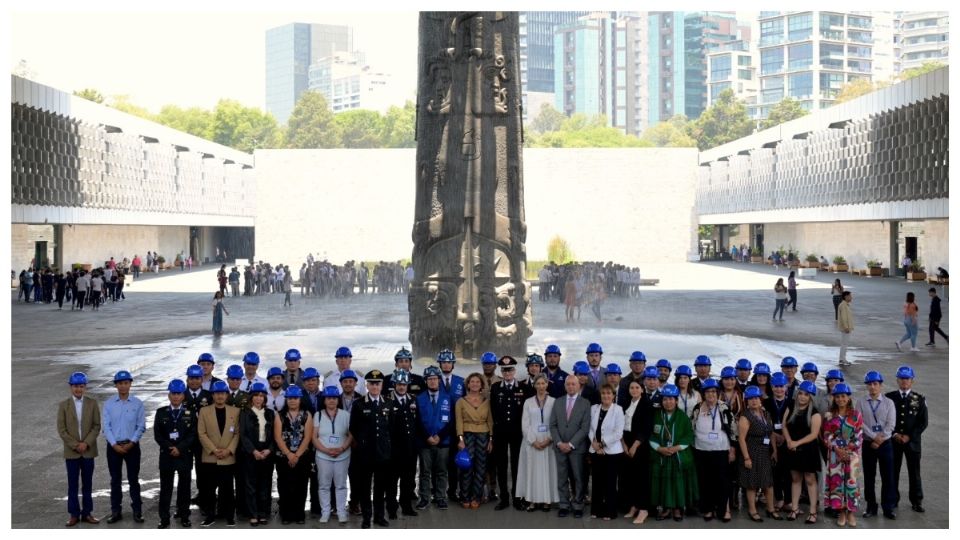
(911, 422)
(370, 424)
(569, 429)
(596, 376)
(506, 407)
(638, 362)
(78, 423)
(175, 430)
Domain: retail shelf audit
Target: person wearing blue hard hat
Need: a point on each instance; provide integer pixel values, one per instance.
(842, 434)
(597, 372)
(664, 369)
(673, 472)
(880, 418)
(124, 422)
(175, 431)
(651, 386)
(474, 424)
(777, 404)
(832, 377)
(761, 378)
(196, 397)
(789, 367)
(436, 418)
(293, 432)
(582, 371)
(312, 385)
(239, 399)
(343, 358)
(259, 453)
(78, 422)
(744, 373)
(555, 375)
(535, 365)
(613, 376)
(731, 393)
(403, 359)
(757, 454)
(404, 446)
(251, 363)
(702, 366)
(688, 398)
(293, 374)
(206, 362)
(217, 430)
(332, 440)
(488, 363)
(275, 396)
(637, 363)
(715, 436)
(911, 422)
(801, 452)
(452, 384)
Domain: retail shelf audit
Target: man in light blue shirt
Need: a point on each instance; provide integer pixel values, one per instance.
(124, 422)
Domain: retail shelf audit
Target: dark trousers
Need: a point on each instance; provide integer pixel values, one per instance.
(376, 475)
(115, 463)
(166, 493)
(603, 498)
(240, 485)
(404, 470)
(314, 483)
(80, 469)
(782, 480)
(201, 478)
(292, 488)
(258, 482)
(635, 478)
(217, 490)
(714, 480)
(836, 306)
(913, 471)
(453, 475)
(883, 457)
(60, 295)
(80, 298)
(935, 329)
(792, 302)
(507, 445)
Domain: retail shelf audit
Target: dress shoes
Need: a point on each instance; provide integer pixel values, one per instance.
(114, 518)
(410, 512)
(563, 513)
(392, 515)
(870, 513)
(163, 525)
(365, 524)
(423, 504)
(138, 518)
(503, 504)
(918, 508)
(381, 522)
(91, 520)
(72, 522)
(208, 522)
(578, 514)
(185, 523)
(889, 515)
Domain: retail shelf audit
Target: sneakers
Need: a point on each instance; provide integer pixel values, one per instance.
(342, 519)
(898, 347)
(931, 344)
(208, 522)
(423, 504)
(324, 518)
(442, 504)
(914, 349)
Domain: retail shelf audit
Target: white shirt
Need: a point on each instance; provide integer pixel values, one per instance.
(708, 430)
(78, 405)
(247, 384)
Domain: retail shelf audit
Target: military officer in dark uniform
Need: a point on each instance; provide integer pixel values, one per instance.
(293, 374)
(651, 387)
(237, 397)
(535, 365)
(195, 399)
(506, 407)
(911, 421)
(175, 430)
(404, 360)
(404, 447)
(555, 375)
(370, 425)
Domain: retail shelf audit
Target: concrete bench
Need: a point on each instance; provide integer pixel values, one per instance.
(807, 273)
(649, 281)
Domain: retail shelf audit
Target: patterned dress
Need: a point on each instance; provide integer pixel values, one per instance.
(841, 485)
(760, 473)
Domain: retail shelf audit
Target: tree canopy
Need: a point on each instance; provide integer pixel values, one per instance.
(788, 109)
(673, 133)
(91, 94)
(724, 121)
(311, 124)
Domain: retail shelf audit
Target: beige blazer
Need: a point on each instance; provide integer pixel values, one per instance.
(210, 437)
(67, 427)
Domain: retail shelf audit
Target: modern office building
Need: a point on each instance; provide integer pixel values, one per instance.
(290, 50)
(705, 31)
(887, 36)
(536, 56)
(926, 38)
(348, 83)
(733, 66)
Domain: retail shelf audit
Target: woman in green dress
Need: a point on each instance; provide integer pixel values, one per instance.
(672, 470)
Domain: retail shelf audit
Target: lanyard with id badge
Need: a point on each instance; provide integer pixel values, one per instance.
(333, 440)
(713, 435)
(175, 434)
(877, 426)
(763, 422)
(542, 428)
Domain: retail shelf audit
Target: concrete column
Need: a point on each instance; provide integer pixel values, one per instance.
(58, 246)
(894, 236)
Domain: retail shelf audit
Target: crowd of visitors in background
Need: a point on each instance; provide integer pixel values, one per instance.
(318, 278)
(576, 284)
(78, 287)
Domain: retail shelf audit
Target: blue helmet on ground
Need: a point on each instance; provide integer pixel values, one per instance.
(670, 390)
(251, 358)
(808, 387)
(311, 373)
(446, 355)
(788, 361)
(581, 368)
(343, 351)
(462, 459)
(535, 359)
(638, 356)
(761, 369)
(743, 363)
(809, 367)
(292, 355)
(710, 384)
(552, 349)
(594, 348)
(401, 376)
(194, 371)
(177, 386)
(614, 369)
(778, 379)
(664, 363)
(234, 372)
(842, 388)
(431, 371)
(752, 391)
(331, 392)
(403, 354)
(292, 392)
(258, 388)
(122, 375)
(728, 373)
(835, 374)
(488, 358)
(702, 360)
(650, 372)
(905, 372)
(683, 370)
(872, 376)
(205, 357)
(79, 377)
(274, 372)
(219, 386)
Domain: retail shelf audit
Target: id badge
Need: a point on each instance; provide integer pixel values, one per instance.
(766, 440)
(444, 418)
(877, 428)
(542, 428)
(174, 435)
(713, 436)
(778, 427)
(334, 440)
(231, 429)
(657, 428)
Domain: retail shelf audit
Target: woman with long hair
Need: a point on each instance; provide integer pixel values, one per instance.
(792, 290)
(911, 321)
(293, 434)
(635, 480)
(714, 431)
(674, 476)
(802, 456)
(688, 398)
(537, 472)
(837, 292)
(218, 311)
(259, 446)
(757, 454)
(475, 430)
(780, 293)
(843, 437)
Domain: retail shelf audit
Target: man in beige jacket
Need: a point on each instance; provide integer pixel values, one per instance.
(845, 323)
(219, 435)
(78, 423)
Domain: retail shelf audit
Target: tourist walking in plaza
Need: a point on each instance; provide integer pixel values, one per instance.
(780, 293)
(792, 290)
(474, 428)
(801, 454)
(911, 320)
(222, 278)
(843, 437)
(905, 264)
(537, 470)
(757, 454)
(218, 311)
(935, 316)
(836, 291)
(845, 324)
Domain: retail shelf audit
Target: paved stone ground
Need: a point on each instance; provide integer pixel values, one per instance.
(721, 308)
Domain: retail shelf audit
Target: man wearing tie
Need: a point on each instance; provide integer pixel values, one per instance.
(196, 399)
(452, 386)
(569, 429)
(237, 398)
(638, 362)
(879, 420)
(206, 362)
(404, 446)
(344, 359)
(911, 422)
(594, 357)
(175, 430)
(744, 371)
(78, 423)
(370, 425)
(506, 407)
(251, 362)
(293, 375)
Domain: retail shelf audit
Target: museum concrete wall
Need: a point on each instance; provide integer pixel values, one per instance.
(22, 244)
(626, 205)
(95, 244)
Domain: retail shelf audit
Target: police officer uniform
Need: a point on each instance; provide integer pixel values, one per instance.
(911, 409)
(370, 425)
(416, 385)
(404, 451)
(506, 406)
(175, 429)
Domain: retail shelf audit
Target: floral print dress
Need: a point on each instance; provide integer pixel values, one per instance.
(841, 481)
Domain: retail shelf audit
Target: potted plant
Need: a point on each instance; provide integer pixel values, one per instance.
(839, 264)
(756, 256)
(160, 261)
(812, 261)
(916, 272)
(875, 268)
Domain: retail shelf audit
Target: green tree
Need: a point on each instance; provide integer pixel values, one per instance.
(582, 131)
(399, 128)
(195, 121)
(925, 68)
(311, 124)
(853, 90)
(359, 128)
(91, 94)
(549, 119)
(123, 103)
(671, 134)
(724, 121)
(244, 128)
(705, 232)
(788, 109)
(558, 251)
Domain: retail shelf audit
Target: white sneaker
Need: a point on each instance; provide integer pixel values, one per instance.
(914, 349)
(324, 518)
(342, 518)
(898, 347)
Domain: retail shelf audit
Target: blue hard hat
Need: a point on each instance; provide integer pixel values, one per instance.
(594, 348)
(311, 373)
(728, 373)
(702, 360)
(219, 386)
(343, 351)
(842, 388)
(809, 367)
(349, 374)
(905, 372)
(638, 356)
(761, 369)
(743, 363)
(834, 374)
(708, 384)
(752, 391)
(331, 391)
(788, 361)
(79, 377)
(205, 357)
(872, 376)
(551, 349)
(462, 459)
(122, 375)
(581, 368)
(613, 368)
(808, 387)
(403, 354)
(177, 386)
(401, 376)
(670, 390)
(251, 358)
(446, 355)
(488, 358)
(778, 379)
(664, 363)
(274, 371)
(292, 354)
(431, 371)
(234, 372)
(683, 370)
(258, 388)
(535, 359)
(194, 371)
(650, 372)
(292, 392)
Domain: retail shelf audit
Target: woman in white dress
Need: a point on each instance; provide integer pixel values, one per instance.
(537, 473)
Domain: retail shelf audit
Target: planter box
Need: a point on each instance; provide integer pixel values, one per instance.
(875, 271)
(756, 258)
(814, 264)
(839, 268)
(916, 276)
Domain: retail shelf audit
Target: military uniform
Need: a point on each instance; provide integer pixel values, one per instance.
(416, 385)
(911, 421)
(506, 406)
(238, 399)
(175, 429)
(405, 449)
(370, 425)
